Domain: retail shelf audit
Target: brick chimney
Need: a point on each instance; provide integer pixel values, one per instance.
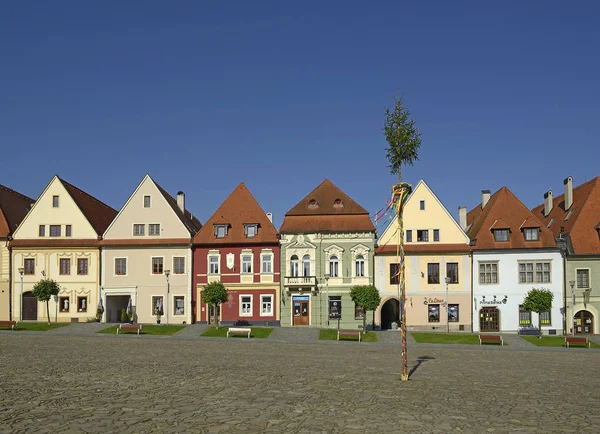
(568, 192)
(462, 217)
(181, 201)
(485, 196)
(548, 203)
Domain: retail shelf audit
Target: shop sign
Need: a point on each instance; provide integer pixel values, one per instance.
(433, 300)
(493, 301)
(301, 297)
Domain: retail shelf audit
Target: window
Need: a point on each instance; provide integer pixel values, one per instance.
(67, 230)
(294, 266)
(335, 306)
(157, 265)
(214, 265)
(488, 273)
(359, 312)
(531, 234)
(82, 304)
(453, 313)
(422, 205)
(65, 266)
(157, 305)
(120, 266)
(82, 267)
(245, 305)
(306, 265)
(178, 265)
(524, 316)
(63, 304)
(29, 266)
(179, 305)
(246, 264)
(267, 264)
(333, 266)
(220, 231)
(313, 204)
(501, 234)
(266, 305)
(436, 235)
(423, 235)
(546, 318)
(433, 273)
(359, 265)
(147, 201)
(42, 231)
(154, 229)
(452, 271)
(583, 278)
(409, 236)
(54, 201)
(139, 230)
(55, 230)
(433, 312)
(538, 272)
(394, 276)
(250, 230)
(338, 203)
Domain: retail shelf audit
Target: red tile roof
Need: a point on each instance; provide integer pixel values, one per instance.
(14, 207)
(191, 223)
(503, 205)
(238, 209)
(581, 225)
(327, 209)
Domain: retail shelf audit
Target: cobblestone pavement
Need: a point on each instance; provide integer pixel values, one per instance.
(53, 383)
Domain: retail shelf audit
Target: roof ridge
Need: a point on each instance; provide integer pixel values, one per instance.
(87, 194)
(190, 225)
(21, 195)
(586, 203)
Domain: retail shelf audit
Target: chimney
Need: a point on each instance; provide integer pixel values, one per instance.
(568, 192)
(548, 203)
(181, 201)
(270, 216)
(485, 196)
(462, 217)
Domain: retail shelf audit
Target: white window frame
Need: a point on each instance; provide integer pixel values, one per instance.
(175, 306)
(152, 273)
(152, 297)
(359, 259)
(115, 266)
(242, 306)
(247, 227)
(297, 265)
(589, 278)
(153, 224)
(263, 255)
(309, 265)
(149, 201)
(208, 258)
(330, 266)
(534, 271)
(224, 228)
(262, 297)
(479, 263)
(143, 226)
(174, 268)
(535, 231)
(250, 254)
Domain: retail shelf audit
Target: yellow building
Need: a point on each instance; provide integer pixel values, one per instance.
(59, 239)
(438, 267)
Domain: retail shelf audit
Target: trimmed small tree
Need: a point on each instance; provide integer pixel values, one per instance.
(538, 301)
(214, 294)
(367, 297)
(44, 290)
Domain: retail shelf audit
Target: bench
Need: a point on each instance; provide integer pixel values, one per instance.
(348, 334)
(11, 324)
(130, 328)
(239, 331)
(571, 340)
(492, 339)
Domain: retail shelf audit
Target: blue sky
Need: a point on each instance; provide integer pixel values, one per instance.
(203, 96)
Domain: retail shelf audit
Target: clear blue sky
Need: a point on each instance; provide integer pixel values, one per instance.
(205, 95)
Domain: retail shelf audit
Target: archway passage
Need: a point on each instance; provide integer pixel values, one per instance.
(30, 305)
(114, 305)
(583, 323)
(390, 312)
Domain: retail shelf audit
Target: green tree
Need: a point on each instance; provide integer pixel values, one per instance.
(214, 294)
(44, 290)
(367, 297)
(538, 300)
(402, 136)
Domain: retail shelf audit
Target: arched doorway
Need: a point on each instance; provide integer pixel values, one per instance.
(390, 312)
(583, 323)
(489, 319)
(30, 305)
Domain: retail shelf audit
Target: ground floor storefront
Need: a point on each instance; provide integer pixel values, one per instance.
(72, 304)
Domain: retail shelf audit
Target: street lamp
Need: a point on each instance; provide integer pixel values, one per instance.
(327, 296)
(167, 272)
(448, 279)
(21, 271)
(572, 285)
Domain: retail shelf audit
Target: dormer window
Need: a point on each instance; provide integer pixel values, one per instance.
(501, 234)
(531, 234)
(220, 231)
(338, 203)
(250, 230)
(313, 204)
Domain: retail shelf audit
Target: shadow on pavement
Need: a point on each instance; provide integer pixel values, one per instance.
(420, 360)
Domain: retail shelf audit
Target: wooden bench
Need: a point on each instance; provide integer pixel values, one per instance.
(348, 334)
(130, 328)
(492, 339)
(239, 331)
(11, 324)
(571, 340)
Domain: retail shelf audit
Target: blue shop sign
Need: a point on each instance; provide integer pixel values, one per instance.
(301, 297)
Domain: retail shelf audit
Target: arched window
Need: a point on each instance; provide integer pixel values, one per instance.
(294, 266)
(306, 265)
(333, 266)
(360, 266)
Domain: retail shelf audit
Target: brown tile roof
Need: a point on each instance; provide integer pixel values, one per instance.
(505, 206)
(426, 248)
(239, 208)
(191, 223)
(147, 242)
(63, 242)
(14, 207)
(96, 212)
(580, 227)
(327, 209)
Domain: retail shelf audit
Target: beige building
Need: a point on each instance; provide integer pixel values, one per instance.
(59, 239)
(435, 248)
(147, 257)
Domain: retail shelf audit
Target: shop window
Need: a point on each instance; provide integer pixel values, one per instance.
(433, 312)
(335, 306)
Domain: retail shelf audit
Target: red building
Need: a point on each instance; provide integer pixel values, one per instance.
(239, 246)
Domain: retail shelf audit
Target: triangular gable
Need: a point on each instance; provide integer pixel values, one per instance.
(530, 222)
(499, 224)
(326, 199)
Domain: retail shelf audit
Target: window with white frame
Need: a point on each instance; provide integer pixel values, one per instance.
(538, 272)
(266, 305)
(147, 201)
(267, 263)
(531, 234)
(213, 265)
(157, 265)
(245, 305)
(294, 266)
(306, 265)
(250, 230)
(488, 273)
(422, 235)
(246, 264)
(501, 234)
(120, 266)
(154, 229)
(220, 231)
(359, 265)
(583, 278)
(139, 230)
(333, 266)
(179, 305)
(179, 265)
(409, 236)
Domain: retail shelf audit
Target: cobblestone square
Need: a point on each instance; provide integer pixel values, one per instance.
(53, 383)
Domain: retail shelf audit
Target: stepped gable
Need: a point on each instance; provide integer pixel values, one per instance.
(14, 206)
(191, 223)
(238, 209)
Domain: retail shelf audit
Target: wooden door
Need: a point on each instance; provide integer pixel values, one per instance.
(301, 312)
(211, 314)
(489, 319)
(30, 305)
(583, 323)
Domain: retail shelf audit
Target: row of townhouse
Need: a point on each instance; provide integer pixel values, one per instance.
(470, 274)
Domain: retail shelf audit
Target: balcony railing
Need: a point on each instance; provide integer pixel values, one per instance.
(300, 281)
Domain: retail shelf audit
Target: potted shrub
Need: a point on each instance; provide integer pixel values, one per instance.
(99, 313)
(124, 316)
(158, 314)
